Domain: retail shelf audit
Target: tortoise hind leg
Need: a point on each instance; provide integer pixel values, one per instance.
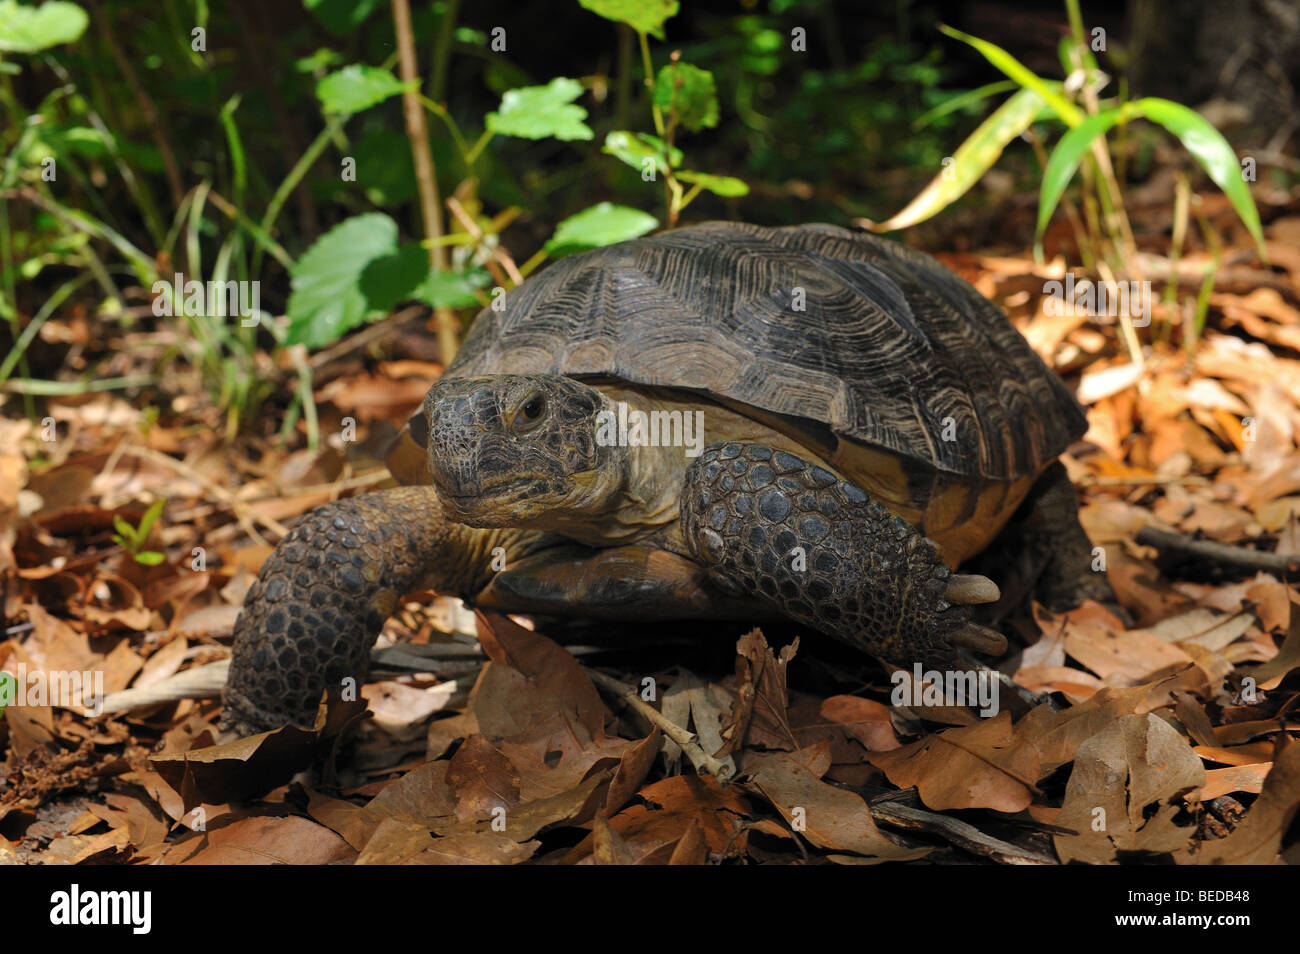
(1069, 576)
(820, 551)
(1044, 554)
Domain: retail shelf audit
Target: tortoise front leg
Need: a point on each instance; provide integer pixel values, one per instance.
(822, 552)
(321, 598)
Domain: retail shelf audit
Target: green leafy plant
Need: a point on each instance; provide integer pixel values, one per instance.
(171, 160)
(1087, 119)
(358, 271)
(132, 539)
(683, 97)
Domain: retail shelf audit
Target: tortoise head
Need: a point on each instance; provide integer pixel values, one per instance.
(520, 450)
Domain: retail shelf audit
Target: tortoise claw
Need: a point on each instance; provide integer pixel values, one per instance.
(966, 588)
(979, 639)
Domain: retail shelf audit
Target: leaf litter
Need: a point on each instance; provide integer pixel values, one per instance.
(1173, 737)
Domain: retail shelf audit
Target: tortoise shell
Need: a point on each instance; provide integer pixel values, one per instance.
(825, 333)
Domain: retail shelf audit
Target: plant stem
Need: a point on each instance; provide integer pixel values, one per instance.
(442, 50)
(650, 81)
(537, 258)
(472, 156)
(441, 112)
(425, 175)
(295, 176)
(1182, 203)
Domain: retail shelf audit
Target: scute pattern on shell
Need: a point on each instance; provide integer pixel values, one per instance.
(891, 344)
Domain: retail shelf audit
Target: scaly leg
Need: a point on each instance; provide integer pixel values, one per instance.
(822, 552)
(321, 598)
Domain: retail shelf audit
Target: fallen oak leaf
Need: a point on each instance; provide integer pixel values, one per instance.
(985, 765)
(262, 840)
(674, 806)
(482, 848)
(759, 714)
(691, 848)
(1137, 762)
(527, 819)
(482, 780)
(831, 818)
(528, 679)
(236, 770)
(1056, 736)
(608, 847)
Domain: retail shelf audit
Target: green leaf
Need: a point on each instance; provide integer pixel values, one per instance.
(453, 289)
(690, 93)
(634, 148)
(1063, 162)
(8, 689)
(1214, 154)
(644, 16)
(719, 185)
(322, 59)
(355, 88)
(535, 112)
(972, 159)
(962, 100)
(326, 298)
(148, 557)
(125, 529)
(602, 224)
(25, 29)
(1070, 114)
(394, 278)
(150, 518)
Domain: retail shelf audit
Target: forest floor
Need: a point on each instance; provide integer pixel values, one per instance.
(1174, 737)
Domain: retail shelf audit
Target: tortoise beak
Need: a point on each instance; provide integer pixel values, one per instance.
(466, 426)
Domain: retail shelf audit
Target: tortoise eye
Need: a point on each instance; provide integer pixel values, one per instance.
(531, 411)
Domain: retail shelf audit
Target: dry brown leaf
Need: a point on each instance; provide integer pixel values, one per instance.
(262, 840)
(1056, 736)
(759, 715)
(980, 766)
(831, 818)
(1136, 762)
(1238, 778)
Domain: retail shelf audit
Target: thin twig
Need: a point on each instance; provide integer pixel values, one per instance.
(688, 741)
(425, 178)
(472, 227)
(1283, 564)
(243, 513)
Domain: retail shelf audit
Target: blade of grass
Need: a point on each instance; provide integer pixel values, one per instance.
(1070, 114)
(971, 160)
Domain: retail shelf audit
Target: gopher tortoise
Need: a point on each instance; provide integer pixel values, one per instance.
(869, 422)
